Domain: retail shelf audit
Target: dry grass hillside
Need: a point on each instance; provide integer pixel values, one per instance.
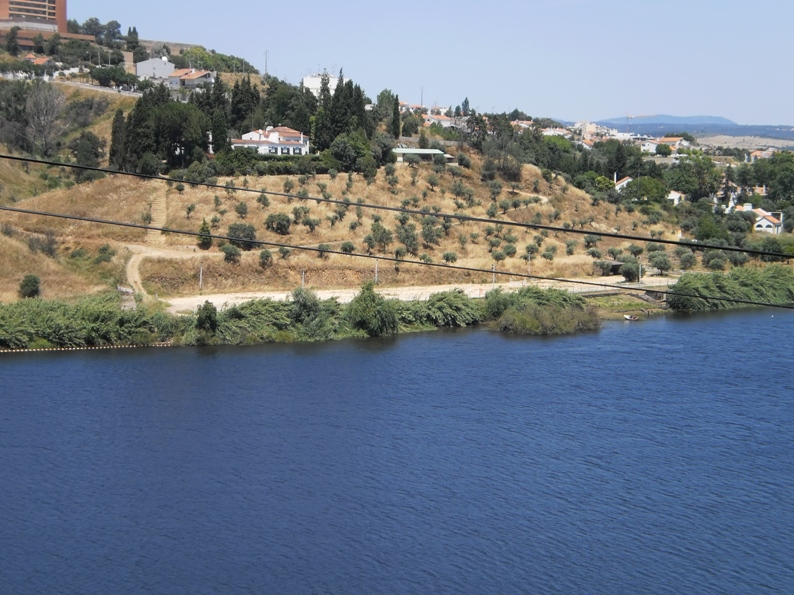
(128, 199)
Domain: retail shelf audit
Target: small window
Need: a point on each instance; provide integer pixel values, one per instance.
(297, 151)
(273, 150)
(285, 150)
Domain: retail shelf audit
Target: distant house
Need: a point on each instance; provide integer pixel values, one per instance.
(674, 142)
(765, 222)
(440, 120)
(190, 78)
(156, 68)
(621, 184)
(649, 146)
(761, 154)
(557, 132)
(675, 197)
(274, 141)
(401, 153)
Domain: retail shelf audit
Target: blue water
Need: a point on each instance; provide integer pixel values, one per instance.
(652, 457)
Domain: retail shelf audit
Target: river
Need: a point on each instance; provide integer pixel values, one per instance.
(652, 457)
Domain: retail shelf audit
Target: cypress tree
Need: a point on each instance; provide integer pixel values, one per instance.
(395, 118)
(116, 155)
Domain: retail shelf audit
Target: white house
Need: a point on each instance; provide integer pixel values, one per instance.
(649, 146)
(190, 78)
(274, 141)
(764, 222)
(675, 197)
(621, 184)
(156, 68)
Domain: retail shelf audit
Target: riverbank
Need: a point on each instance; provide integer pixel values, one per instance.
(100, 322)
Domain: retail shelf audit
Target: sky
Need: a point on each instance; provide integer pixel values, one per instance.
(567, 59)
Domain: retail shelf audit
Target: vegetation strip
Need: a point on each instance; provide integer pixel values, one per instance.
(98, 322)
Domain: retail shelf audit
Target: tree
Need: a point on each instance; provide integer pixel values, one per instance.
(116, 155)
(372, 314)
(395, 118)
(591, 241)
(88, 149)
(265, 259)
(661, 261)
(44, 105)
(278, 223)
(30, 287)
(663, 150)
(381, 235)
(207, 317)
(12, 41)
(38, 44)
(630, 271)
(450, 257)
(231, 254)
(348, 247)
(205, 239)
(243, 235)
(687, 260)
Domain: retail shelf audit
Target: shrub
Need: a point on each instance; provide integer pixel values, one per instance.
(450, 257)
(278, 223)
(231, 253)
(207, 317)
(30, 287)
(265, 259)
(243, 235)
(241, 209)
(372, 314)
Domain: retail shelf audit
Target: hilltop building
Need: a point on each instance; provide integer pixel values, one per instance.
(314, 82)
(274, 141)
(764, 221)
(36, 17)
(39, 15)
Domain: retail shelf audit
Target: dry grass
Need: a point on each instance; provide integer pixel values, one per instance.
(572, 205)
(114, 198)
(16, 261)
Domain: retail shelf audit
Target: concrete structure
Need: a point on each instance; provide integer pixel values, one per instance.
(43, 15)
(314, 82)
(401, 152)
(765, 222)
(274, 141)
(156, 68)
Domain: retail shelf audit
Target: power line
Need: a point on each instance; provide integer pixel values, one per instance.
(457, 216)
(381, 257)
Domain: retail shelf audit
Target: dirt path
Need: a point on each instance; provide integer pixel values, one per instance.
(420, 293)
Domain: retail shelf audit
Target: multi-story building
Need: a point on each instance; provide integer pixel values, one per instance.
(44, 15)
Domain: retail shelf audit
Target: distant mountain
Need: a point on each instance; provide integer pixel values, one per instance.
(670, 121)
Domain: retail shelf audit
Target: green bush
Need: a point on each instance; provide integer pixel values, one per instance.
(372, 314)
(231, 253)
(30, 287)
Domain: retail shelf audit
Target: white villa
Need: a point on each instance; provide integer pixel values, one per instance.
(274, 141)
(765, 222)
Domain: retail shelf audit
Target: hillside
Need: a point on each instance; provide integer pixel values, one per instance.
(470, 244)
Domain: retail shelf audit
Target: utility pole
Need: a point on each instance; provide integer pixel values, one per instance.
(303, 279)
(201, 276)
(376, 270)
(493, 273)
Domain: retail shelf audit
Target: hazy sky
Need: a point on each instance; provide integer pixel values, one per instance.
(571, 59)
